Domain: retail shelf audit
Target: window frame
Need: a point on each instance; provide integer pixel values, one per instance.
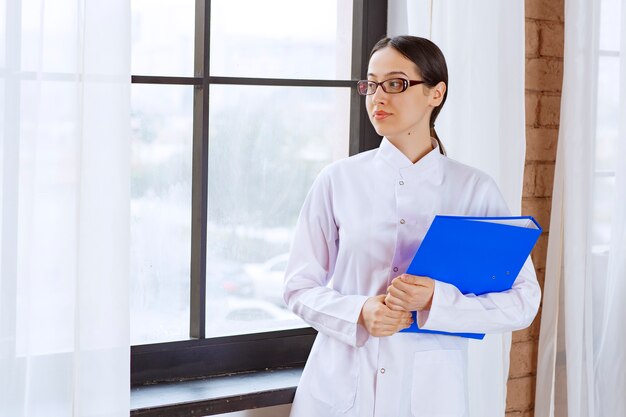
(198, 356)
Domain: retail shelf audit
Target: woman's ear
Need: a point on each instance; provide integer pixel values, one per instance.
(437, 93)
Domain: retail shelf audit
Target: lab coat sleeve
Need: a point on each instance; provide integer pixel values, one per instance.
(515, 309)
(310, 268)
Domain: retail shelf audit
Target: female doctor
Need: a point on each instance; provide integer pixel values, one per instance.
(359, 227)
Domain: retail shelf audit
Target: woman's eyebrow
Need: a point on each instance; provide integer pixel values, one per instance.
(389, 73)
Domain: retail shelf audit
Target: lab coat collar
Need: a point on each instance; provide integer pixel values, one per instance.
(429, 165)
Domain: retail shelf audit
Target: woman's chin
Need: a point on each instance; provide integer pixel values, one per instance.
(382, 131)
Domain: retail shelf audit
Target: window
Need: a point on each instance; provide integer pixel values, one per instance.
(236, 106)
(607, 122)
(606, 141)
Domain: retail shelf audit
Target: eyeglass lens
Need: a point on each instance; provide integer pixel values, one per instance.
(394, 85)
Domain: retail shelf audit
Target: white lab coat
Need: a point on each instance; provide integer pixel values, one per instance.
(359, 227)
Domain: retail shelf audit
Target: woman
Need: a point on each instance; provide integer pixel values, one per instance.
(360, 225)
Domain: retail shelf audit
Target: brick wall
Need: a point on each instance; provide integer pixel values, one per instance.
(544, 77)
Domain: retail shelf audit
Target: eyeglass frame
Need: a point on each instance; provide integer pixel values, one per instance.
(405, 85)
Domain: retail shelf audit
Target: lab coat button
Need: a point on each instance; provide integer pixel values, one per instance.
(382, 370)
(402, 221)
(395, 269)
(401, 182)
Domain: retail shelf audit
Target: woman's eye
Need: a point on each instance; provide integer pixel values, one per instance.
(395, 84)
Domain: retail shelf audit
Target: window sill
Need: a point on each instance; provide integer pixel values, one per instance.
(215, 395)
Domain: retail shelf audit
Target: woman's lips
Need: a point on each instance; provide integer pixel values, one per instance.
(380, 115)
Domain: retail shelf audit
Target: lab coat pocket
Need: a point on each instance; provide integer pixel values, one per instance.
(335, 371)
(438, 386)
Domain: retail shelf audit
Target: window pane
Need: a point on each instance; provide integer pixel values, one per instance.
(281, 38)
(610, 12)
(607, 128)
(3, 135)
(603, 207)
(160, 212)
(266, 146)
(4, 29)
(162, 37)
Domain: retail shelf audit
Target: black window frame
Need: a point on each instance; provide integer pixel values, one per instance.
(199, 356)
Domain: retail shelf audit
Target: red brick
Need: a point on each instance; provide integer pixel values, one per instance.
(541, 277)
(539, 252)
(544, 180)
(544, 74)
(551, 39)
(541, 144)
(520, 394)
(545, 10)
(529, 333)
(530, 173)
(540, 209)
(527, 413)
(532, 108)
(523, 359)
(549, 110)
(532, 38)
(523, 335)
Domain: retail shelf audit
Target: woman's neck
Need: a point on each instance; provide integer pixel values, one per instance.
(414, 145)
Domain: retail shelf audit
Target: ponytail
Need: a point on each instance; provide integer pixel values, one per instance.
(433, 133)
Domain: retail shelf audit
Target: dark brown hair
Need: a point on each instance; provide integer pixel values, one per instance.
(430, 63)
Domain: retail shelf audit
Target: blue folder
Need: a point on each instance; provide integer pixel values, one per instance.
(477, 255)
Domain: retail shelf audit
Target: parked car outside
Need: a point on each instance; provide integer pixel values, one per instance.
(227, 278)
(236, 315)
(267, 279)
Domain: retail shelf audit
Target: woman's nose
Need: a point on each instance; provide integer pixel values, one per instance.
(379, 95)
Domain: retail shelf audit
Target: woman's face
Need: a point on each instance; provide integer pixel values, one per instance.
(408, 112)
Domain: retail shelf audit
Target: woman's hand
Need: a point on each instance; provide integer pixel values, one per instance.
(410, 293)
(380, 320)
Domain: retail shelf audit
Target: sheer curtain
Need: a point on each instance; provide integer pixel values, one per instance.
(64, 207)
(482, 124)
(582, 366)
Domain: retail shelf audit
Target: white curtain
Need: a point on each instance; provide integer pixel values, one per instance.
(64, 207)
(482, 124)
(582, 365)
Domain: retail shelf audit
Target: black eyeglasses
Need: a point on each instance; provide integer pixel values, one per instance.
(391, 86)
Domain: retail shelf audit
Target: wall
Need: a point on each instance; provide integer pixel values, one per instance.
(544, 77)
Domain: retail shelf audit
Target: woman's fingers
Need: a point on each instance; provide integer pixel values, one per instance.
(410, 292)
(388, 330)
(398, 299)
(380, 320)
(395, 304)
(395, 309)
